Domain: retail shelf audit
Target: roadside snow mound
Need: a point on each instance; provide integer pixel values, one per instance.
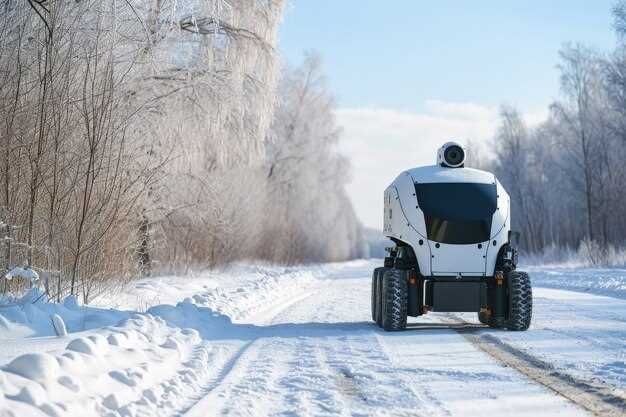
(124, 363)
(142, 363)
(186, 314)
(34, 316)
(604, 281)
(237, 291)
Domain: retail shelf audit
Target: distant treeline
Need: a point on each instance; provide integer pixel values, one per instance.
(566, 176)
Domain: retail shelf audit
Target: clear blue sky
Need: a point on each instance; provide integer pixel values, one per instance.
(410, 74)
(398, 53)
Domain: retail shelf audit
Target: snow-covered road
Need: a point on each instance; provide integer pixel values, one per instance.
(299, 342)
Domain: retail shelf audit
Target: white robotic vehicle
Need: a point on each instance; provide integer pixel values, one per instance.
(454, 248)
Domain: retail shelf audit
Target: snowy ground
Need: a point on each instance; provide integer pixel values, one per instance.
(298, 341)
(602, 281)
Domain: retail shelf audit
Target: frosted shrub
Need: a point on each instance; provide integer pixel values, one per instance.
(588, 254)
(616, 257)
(592, 252)
(597, 255)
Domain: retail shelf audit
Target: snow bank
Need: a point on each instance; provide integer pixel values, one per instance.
(33, 316)
(252, 286)
(142, 363)
(154, 363)
(236, 292)
(121, 362)
(603, 281)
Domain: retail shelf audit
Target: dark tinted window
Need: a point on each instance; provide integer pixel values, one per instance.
(457, 213)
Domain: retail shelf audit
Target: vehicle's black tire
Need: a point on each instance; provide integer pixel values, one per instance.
(379, 295)
(395, 298)
(374, 295)
(520, 301)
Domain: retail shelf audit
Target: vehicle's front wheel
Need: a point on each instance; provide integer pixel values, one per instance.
(520, 301)
(395, 298)
(379, 295)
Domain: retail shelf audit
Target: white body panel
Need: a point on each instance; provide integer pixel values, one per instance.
(405, 221)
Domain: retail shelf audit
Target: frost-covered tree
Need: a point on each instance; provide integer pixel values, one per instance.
(565, 176)
(312, 218)
(148, 136)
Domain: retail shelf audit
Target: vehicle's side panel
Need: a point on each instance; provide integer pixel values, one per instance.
(408, 201)
(500, 218)
(398, 226)
(501, 225)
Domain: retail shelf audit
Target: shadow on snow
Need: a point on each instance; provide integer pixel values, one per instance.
(215, 326)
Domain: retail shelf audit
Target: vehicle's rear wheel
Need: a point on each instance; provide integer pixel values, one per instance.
(394, 297)
(379, 296)
(520, 301)
(374, 295)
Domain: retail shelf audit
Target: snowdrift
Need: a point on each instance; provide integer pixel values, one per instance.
(150, 361)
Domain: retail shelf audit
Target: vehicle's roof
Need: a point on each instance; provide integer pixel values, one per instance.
(436, 173)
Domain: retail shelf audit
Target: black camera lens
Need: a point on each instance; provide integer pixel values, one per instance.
(454, 155)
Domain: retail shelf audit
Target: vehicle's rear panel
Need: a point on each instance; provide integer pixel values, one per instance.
(455, 219)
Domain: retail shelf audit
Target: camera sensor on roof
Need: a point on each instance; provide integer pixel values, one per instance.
(451, 155)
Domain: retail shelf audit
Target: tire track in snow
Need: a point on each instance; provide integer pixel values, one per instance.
(346, 371)
(236, 367)
(366, 375)
(326, 372)
(601, 400)
(218, 379)
(430, 405)
(305, 385)
(302, 375)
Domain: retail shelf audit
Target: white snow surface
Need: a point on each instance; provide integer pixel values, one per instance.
(269, 341)
(603, 281)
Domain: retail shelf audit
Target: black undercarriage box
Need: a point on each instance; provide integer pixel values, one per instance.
(456, 296)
